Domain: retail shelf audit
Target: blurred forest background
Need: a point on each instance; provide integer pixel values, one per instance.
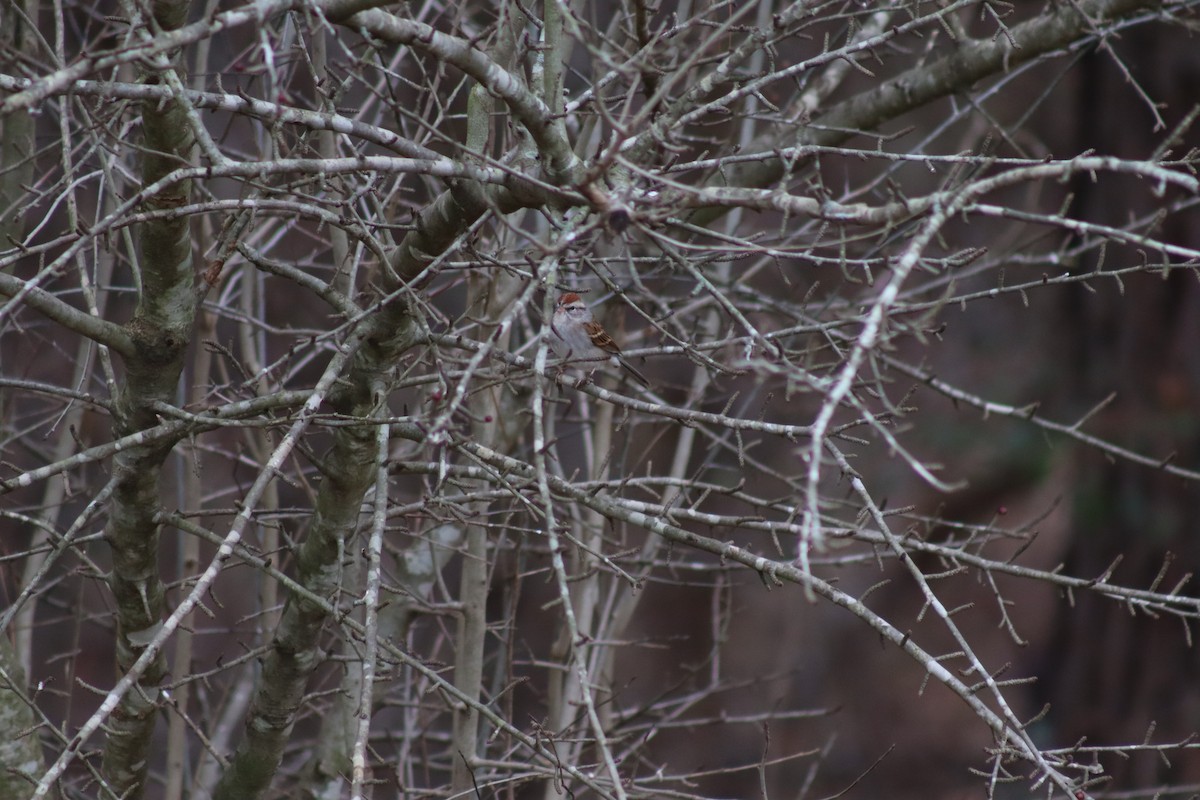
(296, 502)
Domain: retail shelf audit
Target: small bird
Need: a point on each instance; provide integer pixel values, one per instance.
(576, 336)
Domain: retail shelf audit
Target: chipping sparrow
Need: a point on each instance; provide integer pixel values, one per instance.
(576, 336)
